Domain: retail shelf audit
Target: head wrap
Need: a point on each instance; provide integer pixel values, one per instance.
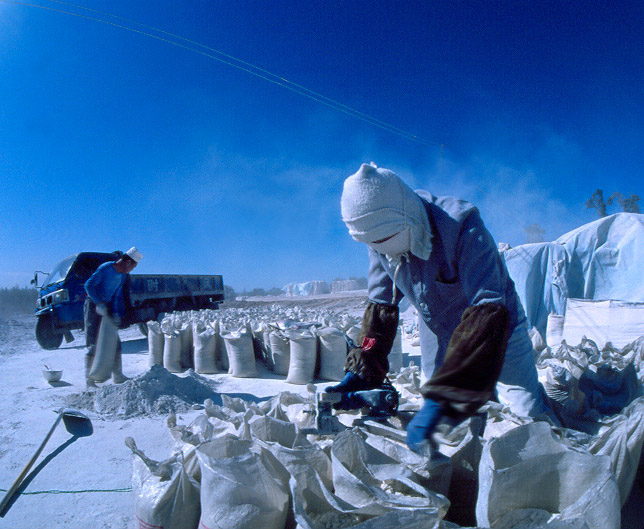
(377, 204)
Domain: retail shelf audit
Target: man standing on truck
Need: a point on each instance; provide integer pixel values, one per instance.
(106, 299)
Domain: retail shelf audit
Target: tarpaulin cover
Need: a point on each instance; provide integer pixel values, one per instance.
(601, 260)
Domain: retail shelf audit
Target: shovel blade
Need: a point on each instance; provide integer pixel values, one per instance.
(77, 424)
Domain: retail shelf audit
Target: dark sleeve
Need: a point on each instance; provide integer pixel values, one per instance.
(379, 327)
(473, 360)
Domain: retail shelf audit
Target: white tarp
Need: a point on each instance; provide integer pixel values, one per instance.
(601, 260)
(618, 322)
(307, 289)
(539, 273)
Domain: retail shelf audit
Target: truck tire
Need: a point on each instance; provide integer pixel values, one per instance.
(45, 334)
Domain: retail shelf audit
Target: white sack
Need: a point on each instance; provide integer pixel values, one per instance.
(303, 356)
(266, 340)
(171, 349)
(221, 354)
(172, 503)
(240, 492)
(239, 346)
(185, 331)
(106, 344)
(280, 352)
(353, 332)
(538, 343)
(155, 344)
(554, 330)
(204, 344)
(622, 442)
(333, 353)
(273, 430)
(617, 322)
(396, 354)
(528, 468)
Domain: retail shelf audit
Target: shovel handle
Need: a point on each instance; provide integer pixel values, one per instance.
(28, 466)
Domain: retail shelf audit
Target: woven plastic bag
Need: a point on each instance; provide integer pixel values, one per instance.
(529, 468)
(280, 352)
(165, 495)
(106, 345)
(171, 347)
(239, 489)
(205, 348)
(155, 344)
(303, 357)
(239, 346)
(333, 353)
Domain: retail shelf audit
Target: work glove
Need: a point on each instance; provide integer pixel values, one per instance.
(421, 427)
(347, 387)
(350, 382)
(102, 310)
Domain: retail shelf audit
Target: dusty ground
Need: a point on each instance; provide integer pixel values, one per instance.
(86, 482)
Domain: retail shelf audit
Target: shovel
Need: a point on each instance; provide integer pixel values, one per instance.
(76, 423)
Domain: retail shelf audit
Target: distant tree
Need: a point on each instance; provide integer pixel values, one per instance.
(534, 233)
(229, 293)
(275, 291)
(17, 300)
(628, 204)
(597, 201)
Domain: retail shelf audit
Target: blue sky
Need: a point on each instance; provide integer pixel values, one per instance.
(112, 137)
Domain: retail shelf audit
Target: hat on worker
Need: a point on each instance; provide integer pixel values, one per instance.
(134, 254)
(377, 204)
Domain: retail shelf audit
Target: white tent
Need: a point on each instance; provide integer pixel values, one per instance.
(601, 260)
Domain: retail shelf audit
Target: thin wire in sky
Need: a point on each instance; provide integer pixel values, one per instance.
(229, 60)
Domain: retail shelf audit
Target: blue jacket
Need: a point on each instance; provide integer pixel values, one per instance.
(464, 268)
(106, 286)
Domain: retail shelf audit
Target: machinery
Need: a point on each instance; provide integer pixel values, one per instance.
(375, 404)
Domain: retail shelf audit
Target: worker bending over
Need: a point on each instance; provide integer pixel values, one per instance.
(436, 252)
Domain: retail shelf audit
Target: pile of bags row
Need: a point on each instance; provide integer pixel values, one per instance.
(245, 465)
(313, 346)
(585, 383)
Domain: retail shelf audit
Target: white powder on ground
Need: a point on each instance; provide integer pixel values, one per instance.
(157, 392)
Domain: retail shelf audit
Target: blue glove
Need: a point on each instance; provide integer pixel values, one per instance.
(421, 427)
(351, 382)
(348, 386)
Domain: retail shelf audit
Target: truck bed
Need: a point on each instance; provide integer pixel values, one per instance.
(154, 286)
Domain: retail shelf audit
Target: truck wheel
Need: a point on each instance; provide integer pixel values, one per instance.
(143, 328)
(47, 338)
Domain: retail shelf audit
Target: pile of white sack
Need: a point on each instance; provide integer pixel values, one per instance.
(301, 345)
(244, 465)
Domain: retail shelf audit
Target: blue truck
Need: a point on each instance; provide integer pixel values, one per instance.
(59, 308)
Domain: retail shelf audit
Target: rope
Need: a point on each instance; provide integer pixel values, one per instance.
(54, 491)
(242, 65)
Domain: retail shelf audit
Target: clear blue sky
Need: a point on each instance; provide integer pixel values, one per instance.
(111, 137)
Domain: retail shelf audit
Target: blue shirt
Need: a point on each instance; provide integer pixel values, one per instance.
(106, 286)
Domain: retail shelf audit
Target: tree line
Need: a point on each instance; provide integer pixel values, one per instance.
(627, 204)
(17, 300)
